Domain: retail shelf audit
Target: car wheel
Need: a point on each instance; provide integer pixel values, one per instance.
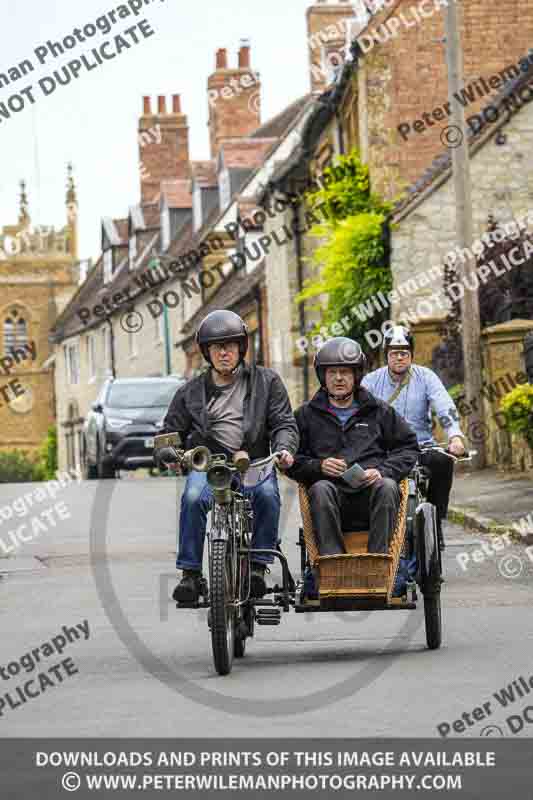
(105, 471)
(90, 472)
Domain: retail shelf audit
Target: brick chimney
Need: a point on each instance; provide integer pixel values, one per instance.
(163, 145)
(234, 98)
(328, 25)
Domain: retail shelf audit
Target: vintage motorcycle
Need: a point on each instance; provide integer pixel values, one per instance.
(354, 581)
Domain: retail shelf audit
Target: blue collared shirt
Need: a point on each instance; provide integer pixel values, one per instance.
(425, 391)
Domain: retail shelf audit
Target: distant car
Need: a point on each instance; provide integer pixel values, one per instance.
(120, 428)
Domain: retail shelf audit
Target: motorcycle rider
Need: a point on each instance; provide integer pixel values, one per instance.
(413, 391)
(229, 407)
(344, 424)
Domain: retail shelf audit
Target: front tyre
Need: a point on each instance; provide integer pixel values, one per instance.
(430, 572)
(433, 619)
(104, 470)
(222, 608)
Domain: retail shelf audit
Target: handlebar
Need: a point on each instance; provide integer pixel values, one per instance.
(201, 459)
(440, 448)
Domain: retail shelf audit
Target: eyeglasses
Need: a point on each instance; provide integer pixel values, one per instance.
(400, 353)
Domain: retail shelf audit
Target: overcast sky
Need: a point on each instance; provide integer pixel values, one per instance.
(93, 121)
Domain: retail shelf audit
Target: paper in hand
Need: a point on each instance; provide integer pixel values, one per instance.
(354, 476)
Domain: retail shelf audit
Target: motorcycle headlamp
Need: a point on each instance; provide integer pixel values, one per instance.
(219, 477)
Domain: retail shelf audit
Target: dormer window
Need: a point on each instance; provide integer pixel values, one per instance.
(165, 229)
(132, 245)
(224, 187)
(108, 265)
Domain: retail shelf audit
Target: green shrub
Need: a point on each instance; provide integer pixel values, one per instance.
(48, 454)
(16, 466)
(518, 409)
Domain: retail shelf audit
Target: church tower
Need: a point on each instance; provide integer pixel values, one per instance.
(38, 269)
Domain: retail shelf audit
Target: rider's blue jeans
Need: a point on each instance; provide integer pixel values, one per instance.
(195, 504)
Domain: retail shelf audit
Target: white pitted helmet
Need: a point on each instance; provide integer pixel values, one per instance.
(398, 337)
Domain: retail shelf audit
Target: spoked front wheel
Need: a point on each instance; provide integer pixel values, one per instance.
(222, 608)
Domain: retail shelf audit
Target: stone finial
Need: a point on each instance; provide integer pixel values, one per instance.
(71, 186)
(24, 215)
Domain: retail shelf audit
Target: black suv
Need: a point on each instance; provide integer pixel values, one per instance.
(120, 429)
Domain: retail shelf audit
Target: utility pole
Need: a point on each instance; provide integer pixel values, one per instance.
(154, 264)
(463, 201)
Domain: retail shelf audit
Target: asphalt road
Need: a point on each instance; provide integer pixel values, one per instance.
(146, 668)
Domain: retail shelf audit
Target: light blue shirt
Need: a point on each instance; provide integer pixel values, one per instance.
(425, 391)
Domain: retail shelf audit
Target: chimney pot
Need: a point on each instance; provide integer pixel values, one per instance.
(161, 105)
(147, 106)
(222, 58)
(244, 56)
(176, 104)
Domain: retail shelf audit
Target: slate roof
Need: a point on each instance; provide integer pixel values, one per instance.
(245, 153)
(254, 148)
(276, 126)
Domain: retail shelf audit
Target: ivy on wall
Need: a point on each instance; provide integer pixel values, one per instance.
(351, 262)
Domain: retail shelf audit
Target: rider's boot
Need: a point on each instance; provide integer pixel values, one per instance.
(191, 586)
(258, 585)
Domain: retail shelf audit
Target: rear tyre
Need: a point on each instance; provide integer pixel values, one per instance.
(222, 609)
(428, 552)
(433, 619)
(430, 572)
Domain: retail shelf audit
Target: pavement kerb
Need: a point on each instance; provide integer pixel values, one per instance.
(470, 519)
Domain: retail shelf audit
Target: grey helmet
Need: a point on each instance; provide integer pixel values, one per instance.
(340, 352)
(398, 337)
(222, 326)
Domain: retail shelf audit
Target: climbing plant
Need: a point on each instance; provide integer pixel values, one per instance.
(350, 264)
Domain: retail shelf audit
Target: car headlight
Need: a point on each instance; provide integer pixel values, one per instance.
(115, 422)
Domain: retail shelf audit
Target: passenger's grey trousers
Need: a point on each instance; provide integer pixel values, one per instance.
(334, 509)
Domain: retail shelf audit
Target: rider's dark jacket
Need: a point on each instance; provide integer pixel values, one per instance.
(268, 418)
(375, 437)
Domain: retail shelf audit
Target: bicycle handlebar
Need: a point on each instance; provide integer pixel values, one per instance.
(440, 448)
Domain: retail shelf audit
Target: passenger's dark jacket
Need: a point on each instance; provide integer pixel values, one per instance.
(268, 418)
(376, 437)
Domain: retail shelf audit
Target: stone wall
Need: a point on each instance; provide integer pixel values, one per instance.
(502, 349)
(502, 185)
